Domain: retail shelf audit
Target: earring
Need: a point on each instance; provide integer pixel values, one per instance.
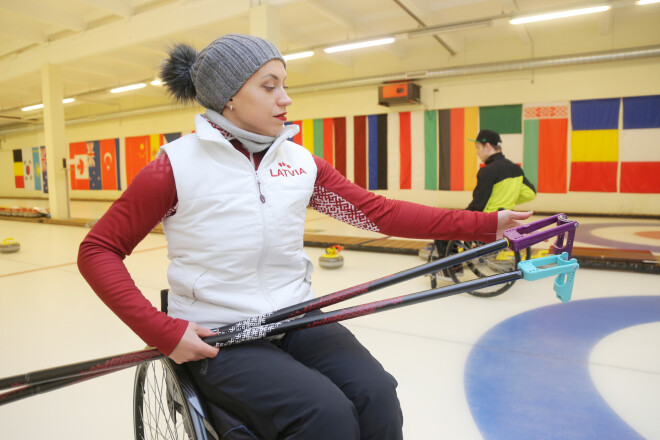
(231, 107)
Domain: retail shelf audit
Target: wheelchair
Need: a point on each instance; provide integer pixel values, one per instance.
(497, 262)
(167, 404)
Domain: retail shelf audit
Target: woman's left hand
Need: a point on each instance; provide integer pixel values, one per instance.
(508, 219)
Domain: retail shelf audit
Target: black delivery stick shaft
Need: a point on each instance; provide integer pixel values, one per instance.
(254, 333)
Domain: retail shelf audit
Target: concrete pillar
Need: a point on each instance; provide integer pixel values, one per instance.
(55, 140)
(265, 23)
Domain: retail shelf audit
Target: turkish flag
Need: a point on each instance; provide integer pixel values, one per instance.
(110, 163)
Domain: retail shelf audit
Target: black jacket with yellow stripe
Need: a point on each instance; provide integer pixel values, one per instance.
(501, 184)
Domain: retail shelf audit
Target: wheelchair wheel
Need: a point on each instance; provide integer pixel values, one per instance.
(497, 262)
(166, 404)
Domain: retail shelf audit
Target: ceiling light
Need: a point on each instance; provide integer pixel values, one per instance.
(647, 2)
(296, 56)
(38, 106)
(156, 82)
(560, 14)
(360, 45)
(127, 88)
(32, 107)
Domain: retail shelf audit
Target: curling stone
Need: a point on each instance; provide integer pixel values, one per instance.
(9, 245)
(331, 259)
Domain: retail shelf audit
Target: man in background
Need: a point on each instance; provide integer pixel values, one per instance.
(501, 184)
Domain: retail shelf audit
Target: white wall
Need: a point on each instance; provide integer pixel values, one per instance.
(602, 80)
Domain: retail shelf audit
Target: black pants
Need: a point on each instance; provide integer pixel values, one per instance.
(318, 383)
(441, 247)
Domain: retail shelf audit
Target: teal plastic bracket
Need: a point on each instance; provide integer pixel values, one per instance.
(559, 265)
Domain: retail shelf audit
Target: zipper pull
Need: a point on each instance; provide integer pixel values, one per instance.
(261, 196)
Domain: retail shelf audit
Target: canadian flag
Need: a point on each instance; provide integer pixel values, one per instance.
(81, 166)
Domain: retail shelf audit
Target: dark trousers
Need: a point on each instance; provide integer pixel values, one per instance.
(318, 383)
(441, 247)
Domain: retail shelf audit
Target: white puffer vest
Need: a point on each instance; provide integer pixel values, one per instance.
(236, 239)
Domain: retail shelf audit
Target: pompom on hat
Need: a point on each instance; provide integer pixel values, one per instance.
(214, 75)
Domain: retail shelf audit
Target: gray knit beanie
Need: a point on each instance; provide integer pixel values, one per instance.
(217, 73)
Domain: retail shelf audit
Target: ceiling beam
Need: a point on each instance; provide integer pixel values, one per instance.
(43, 12)
(15, 45)
(121, 8)
(152, 25)
(447, 4)
(17, 30)
(413, 7)
(332, 15)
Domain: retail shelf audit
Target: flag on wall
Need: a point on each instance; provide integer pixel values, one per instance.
(19, 182)
(36, 164)
(137, 154)
(545, 146)
(359, 151)
(94, 165)
(398, 151)
(457, 156)
(140, 150)
(430, 147)
(406, 155)
(594, 145)
(638, 145)
(377, 151)
(109, 162)
(155, 141)
(507, 121)
(339, 138)
(325, 138)
(370, 151)
(79, 165)
(28, 169)
(44, 172)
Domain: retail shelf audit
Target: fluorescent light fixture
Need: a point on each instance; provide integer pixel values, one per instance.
(156, 82)
(647, 2)
(560, 14)
(38, 106)
(32, 107)
(360, 45)
(298, 55)
(127, 88)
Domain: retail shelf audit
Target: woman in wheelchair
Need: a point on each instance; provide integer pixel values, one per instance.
(232, 198)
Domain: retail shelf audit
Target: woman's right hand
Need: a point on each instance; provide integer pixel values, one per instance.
(191, 347)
